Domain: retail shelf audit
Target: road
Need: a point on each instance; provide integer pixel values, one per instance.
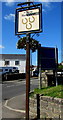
(18, 87)
(12, 89)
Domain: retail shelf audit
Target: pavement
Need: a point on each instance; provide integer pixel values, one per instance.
(14, 107)
(18, 104)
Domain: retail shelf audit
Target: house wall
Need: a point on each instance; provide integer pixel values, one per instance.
(21, 66)
(1, 63)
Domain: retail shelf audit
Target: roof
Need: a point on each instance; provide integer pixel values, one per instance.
(12, 56)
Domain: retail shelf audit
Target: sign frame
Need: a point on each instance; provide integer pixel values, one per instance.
(45, 58)
(38, 6)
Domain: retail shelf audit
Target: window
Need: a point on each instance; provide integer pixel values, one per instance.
(6, 69)
(6, 62)
(14, 67)
(16, 62)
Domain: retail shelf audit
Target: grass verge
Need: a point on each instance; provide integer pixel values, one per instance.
(56, 91)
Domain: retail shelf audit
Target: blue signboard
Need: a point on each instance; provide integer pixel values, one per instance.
(48, 58)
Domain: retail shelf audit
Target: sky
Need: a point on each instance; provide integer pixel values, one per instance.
(49, 37)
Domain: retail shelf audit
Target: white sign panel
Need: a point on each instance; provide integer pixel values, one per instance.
(28, 20)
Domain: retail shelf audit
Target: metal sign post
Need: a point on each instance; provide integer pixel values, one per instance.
(40, 78)
(56, 61)
(40, 82)
(39, 67)
(38, 107)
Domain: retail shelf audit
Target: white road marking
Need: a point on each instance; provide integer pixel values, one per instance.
(17, 83)
(12, 109)
(10, 86)
(15, 110)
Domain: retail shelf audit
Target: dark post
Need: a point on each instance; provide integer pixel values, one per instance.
(39, 67)
(27, 75)
(56, 61)
(38, 107)
(38, 56)
(40, 85)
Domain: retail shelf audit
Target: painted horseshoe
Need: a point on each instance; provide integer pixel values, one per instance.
(24, 21)
(31, 21)
(29, 27)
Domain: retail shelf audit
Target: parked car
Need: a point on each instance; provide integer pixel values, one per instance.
(59, 73)
(4, 71)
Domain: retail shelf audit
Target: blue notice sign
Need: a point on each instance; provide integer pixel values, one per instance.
(48, 58)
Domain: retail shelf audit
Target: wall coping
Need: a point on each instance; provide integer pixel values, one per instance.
(49, 99)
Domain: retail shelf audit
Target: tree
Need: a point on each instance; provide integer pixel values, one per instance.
(21, 44)
(60, 67)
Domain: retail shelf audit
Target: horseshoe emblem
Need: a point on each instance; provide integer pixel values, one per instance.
(28, 22)
(24, 21)
(28, 26)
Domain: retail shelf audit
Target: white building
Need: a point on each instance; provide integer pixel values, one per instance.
(14, 60)
(62, 62)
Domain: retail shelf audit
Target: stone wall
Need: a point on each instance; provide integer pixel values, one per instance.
(49, 107)
(44, 80)
(48, 79)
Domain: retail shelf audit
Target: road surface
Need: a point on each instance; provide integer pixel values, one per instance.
(11, 90)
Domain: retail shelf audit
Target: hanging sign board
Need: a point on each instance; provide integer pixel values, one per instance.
(28, 21)
(48, 58)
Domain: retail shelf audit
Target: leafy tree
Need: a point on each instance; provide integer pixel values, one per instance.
(60, 67)
(21, 44)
